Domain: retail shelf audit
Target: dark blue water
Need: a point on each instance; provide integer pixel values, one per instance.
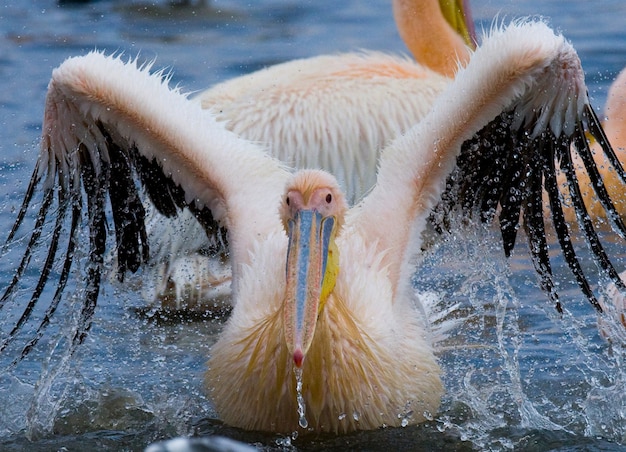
(517, 375)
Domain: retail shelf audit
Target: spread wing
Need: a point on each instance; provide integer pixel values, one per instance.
(496, 134)
(111, 128)
(505, 172)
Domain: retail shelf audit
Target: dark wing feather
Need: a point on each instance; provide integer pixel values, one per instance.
(64, 275)
(117, 182)
(34, 238)
(164, 193)
(127, 209)
(532, 213)
(504, 172)
(169, 197)
(54, 241)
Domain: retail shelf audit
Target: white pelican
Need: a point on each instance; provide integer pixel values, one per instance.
(319, 289)
(334, 112)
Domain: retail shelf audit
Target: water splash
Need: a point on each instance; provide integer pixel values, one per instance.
(302, 422)
(405, 417)
(284, 442)
(510, 360)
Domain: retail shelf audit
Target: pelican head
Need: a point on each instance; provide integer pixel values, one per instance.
(312, 213)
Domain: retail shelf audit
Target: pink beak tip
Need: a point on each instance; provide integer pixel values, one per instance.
(298, 358)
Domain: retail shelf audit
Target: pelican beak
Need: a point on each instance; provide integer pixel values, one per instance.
(459, 16)
(307, 255)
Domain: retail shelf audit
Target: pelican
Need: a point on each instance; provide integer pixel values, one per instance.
(615, 124)
(334, 112)
(615, 129)
(299, 109)
(326, 332)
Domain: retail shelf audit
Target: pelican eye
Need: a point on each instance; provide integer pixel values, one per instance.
(329, 198)
(287, 200)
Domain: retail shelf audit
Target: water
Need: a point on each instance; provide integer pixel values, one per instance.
(302, 422)
(517, 375)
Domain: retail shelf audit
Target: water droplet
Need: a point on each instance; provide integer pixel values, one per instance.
(284, 442)
(302, 422)
(356, 415)
(444, 424)
(404, 422)
(342, 416)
